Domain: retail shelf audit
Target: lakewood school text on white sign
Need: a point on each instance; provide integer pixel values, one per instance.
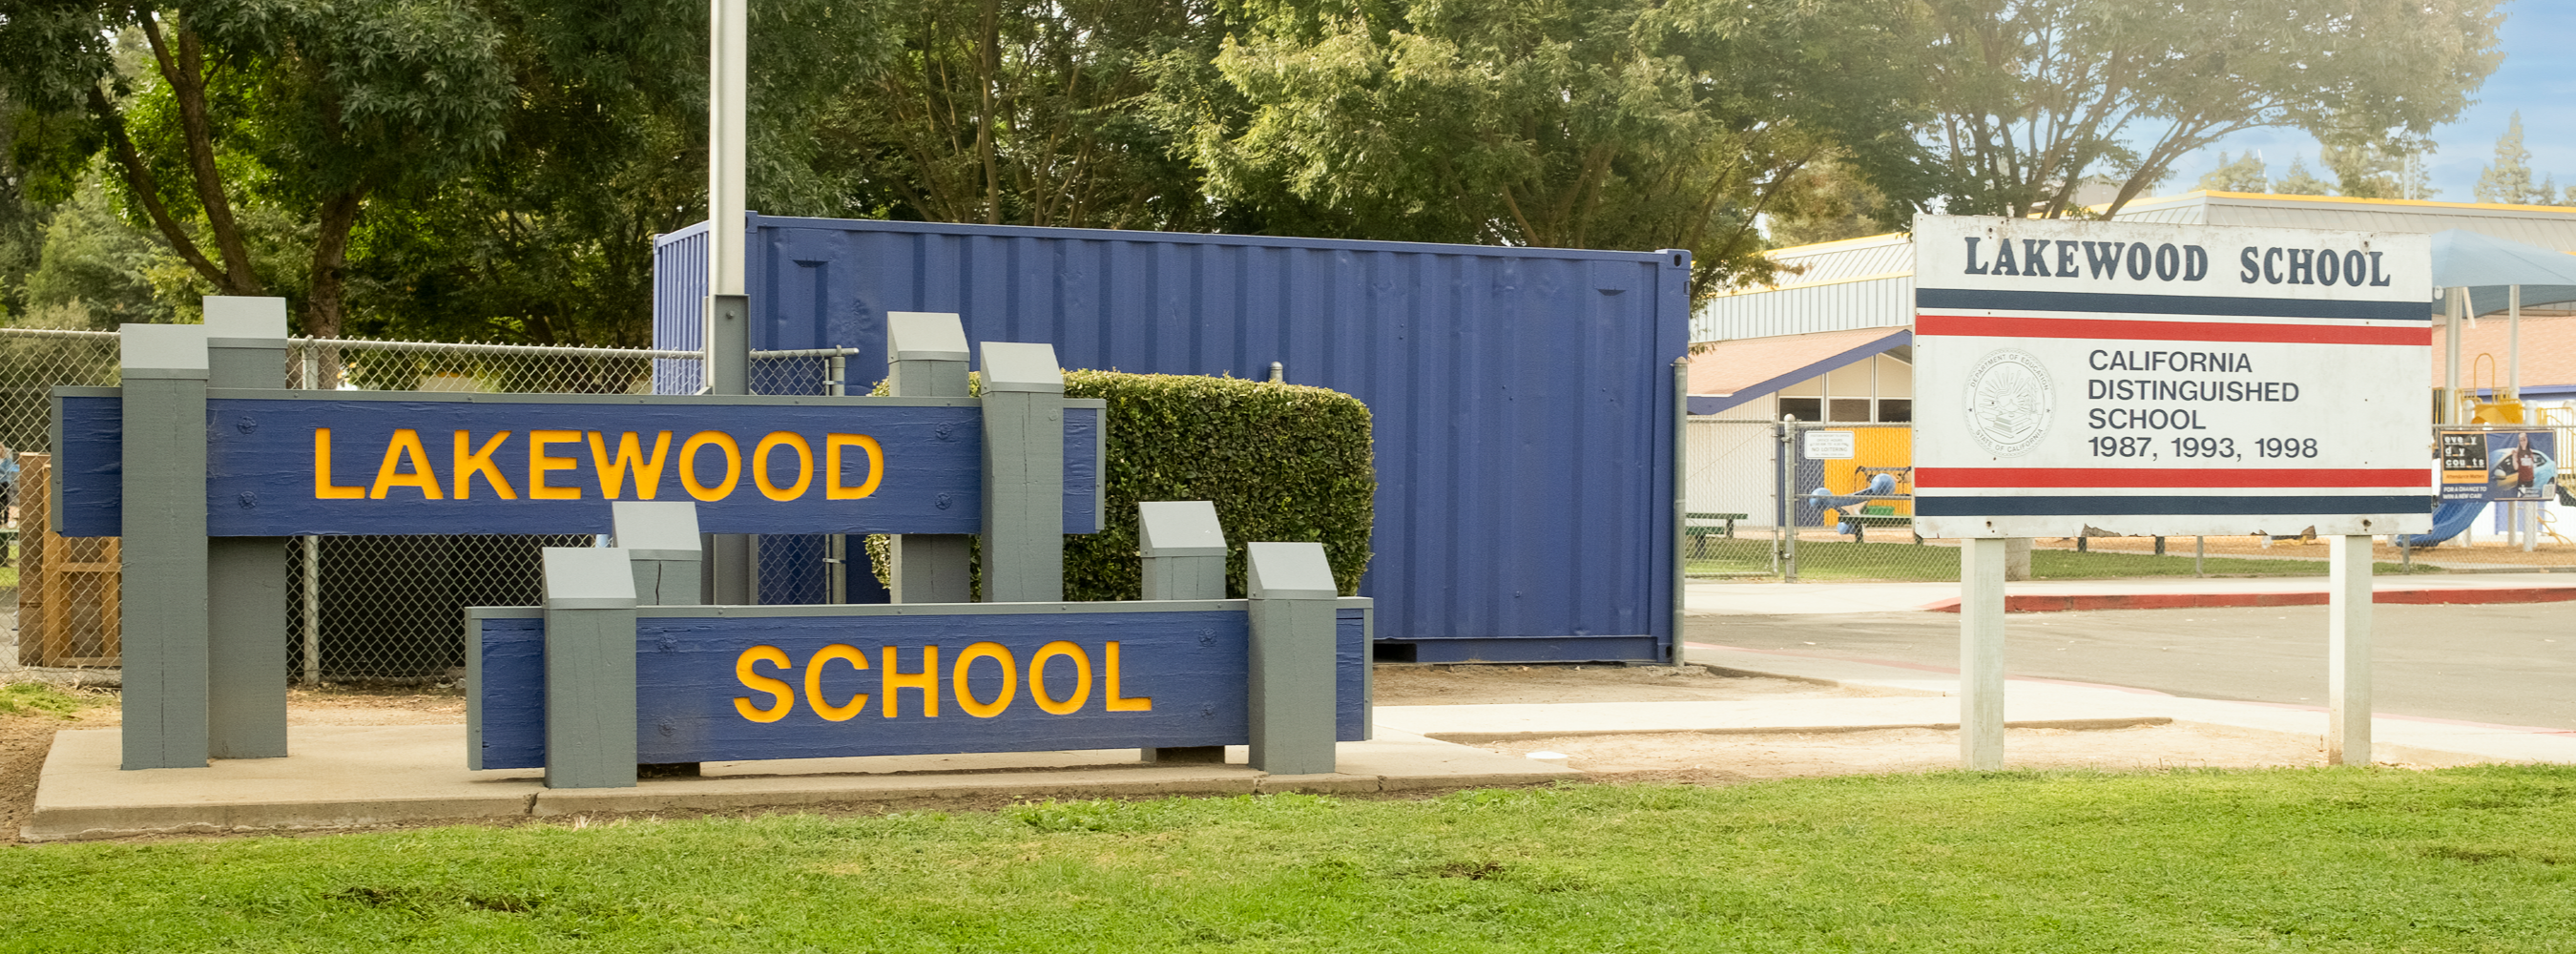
(2121, 376)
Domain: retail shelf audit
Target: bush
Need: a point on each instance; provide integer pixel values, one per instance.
(1283, 462)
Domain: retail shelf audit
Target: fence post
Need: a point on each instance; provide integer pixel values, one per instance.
(661, 539)
(926, 357)
(1292, 686)
(163, 610)
(1681, 501)
(836, 547)
(246, 576)
(590, 668)
(1788, 498)
(1023, 473)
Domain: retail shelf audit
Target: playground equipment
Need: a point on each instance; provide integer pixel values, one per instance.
(1865, 514)
(2454, 516)
(2499, 407)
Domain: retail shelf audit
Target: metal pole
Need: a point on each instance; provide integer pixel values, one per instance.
(1681, 498)
(2348, 652)
(836, 548)
(2199, 550)
(2513, 344)
(728, 102)
(312, 554)
(2454, 307)
(1788, 505)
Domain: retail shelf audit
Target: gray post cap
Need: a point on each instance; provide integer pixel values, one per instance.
(245, 316)
(164, 347)
(925, 336)
(1288, 571)
(1178, 528)
(1011, 366)
(655, 529)
(589, 578)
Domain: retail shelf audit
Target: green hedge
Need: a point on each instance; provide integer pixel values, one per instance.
(1281, 461)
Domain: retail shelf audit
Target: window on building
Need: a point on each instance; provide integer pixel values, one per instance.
(1802, 409)
(1851, 409)
(1896, 410)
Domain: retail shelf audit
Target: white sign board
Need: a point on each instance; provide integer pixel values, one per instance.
(1826, 445)
(2169, 379)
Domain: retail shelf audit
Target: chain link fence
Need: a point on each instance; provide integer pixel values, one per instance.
(359, 608)
(1802, 500)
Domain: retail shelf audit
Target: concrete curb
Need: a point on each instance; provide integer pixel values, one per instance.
(2452, 596)
(2121, 722)
(346, 777)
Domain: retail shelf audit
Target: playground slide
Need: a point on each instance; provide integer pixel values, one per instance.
(2449, 519)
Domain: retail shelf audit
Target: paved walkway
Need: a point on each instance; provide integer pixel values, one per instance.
(1776, 599)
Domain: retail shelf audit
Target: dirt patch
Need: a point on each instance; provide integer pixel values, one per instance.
(1691, 756)
(1509, 685)
(24, 740)
(404, 705)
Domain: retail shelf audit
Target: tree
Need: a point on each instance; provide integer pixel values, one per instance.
(2508, 178)
(2299, 181)
(1562, 123)
(311, 106)
(2244, 174)
(1018, 112)
(2366, 171)
(1826, 202)
(2033, 95)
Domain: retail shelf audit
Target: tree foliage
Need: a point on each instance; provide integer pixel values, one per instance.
(2243, 174)
(1566, 123)
(2508, 178)
(2035, 94)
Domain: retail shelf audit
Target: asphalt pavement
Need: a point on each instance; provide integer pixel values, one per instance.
(2512, 664)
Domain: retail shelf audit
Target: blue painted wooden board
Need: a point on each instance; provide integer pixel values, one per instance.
(1191, 664)
(262, 455)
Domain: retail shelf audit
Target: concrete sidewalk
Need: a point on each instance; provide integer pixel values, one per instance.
(1785, 599)
(2402, 739)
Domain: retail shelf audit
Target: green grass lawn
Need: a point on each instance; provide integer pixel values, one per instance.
(1751, 557)
(2312, 860)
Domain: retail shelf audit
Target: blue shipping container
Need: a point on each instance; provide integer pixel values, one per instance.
(1523, 398)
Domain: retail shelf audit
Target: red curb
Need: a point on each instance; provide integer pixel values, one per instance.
(2046, 603)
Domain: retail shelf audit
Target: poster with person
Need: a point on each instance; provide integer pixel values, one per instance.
(2521, 464)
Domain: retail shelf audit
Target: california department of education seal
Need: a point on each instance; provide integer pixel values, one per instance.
(2009, 402)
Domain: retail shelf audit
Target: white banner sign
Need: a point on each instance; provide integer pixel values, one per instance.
(1827, 445)
(2169, 379)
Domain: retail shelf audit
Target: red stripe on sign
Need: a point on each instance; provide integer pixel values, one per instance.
(1976, 326)
(1939, 478)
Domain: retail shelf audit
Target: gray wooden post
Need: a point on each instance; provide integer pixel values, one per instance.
(163, 600)
(926, 357)
(732, 575)
(1291, 585)
(246, 576)
(1023, 473)
(1183, 547)
(660, 538)
(590, 668)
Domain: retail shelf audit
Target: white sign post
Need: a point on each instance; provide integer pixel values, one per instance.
(2172, 380)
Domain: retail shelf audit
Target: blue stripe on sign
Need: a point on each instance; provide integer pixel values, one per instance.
(2088, 506)
(2115, 303)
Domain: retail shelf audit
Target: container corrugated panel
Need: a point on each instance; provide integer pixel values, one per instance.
(1522, 397)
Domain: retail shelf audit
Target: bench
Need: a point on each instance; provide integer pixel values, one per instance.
(1699, 533)
(1878, 515)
